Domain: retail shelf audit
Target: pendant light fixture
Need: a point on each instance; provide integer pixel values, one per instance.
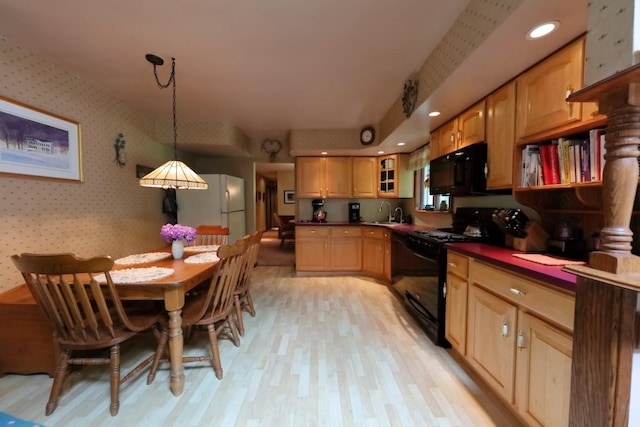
(174, 173)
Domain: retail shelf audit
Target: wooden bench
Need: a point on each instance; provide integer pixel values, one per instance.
(26, 339)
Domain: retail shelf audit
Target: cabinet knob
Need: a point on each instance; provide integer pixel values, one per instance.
(505, 329)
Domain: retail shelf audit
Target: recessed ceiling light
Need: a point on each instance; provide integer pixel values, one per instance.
(380, 152)
(400, 143)
(434, 114)
(542, 30)
(324, 153)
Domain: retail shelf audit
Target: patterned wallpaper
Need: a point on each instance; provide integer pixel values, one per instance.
(609, 47)
(329, 139)
(108, 213)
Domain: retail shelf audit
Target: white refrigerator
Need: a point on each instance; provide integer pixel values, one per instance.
(220, 204)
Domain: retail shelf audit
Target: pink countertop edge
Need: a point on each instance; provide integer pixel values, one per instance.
(503, 257)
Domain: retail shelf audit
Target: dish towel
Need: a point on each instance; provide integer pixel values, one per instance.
(547, 260)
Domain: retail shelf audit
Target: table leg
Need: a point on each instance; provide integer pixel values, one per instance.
(175, 352)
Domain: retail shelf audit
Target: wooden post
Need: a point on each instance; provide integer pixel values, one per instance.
(607, 287)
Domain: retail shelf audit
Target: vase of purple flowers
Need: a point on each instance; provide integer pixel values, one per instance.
(177, 234)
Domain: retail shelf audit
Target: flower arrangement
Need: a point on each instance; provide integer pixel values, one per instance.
(171, 232)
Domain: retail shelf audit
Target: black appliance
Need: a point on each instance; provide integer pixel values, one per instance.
(354, 212)
(318, 214)
(419, 265)
(463, 172)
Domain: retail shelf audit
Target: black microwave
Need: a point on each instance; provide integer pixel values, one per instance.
(461, 173)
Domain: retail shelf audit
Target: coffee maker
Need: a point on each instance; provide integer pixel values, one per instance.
(354, 212)
(318, 214)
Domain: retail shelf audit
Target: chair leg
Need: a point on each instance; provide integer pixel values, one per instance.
(238, 306)
(58, 381)
(235, 338)
(215, 351)
(249, 303)
(160, 349)
(115, 379)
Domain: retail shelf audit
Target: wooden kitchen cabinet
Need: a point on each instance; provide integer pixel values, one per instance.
(364, 174)
(345, 249)
(500, 133)
(491, 340)
(456, 301)
(543, 89)
(466, 129)
(395, 179)
(26, 337)
(519, 341)
(543, 372)
(328, 248)
(323, 177)
(376, 252)
(312, 248)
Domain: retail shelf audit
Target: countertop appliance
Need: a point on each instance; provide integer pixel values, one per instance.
(222, 203)
(354, 212)
(463, 172)
(318, 214)
(419, 266)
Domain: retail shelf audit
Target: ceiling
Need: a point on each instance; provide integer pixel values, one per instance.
(272, 66)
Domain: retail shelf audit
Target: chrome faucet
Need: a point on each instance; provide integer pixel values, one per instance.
(401, 214)
(380, 208)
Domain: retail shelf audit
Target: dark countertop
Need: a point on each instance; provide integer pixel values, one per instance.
(503, 257)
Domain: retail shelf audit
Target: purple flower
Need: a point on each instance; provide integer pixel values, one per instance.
(171, 232)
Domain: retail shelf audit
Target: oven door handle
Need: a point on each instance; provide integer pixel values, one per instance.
(415, 303)
(421, 256)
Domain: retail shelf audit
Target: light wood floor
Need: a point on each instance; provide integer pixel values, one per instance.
(335, 351)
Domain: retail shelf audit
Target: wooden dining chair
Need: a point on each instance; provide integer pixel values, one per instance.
(286, 231)
(85, 315)
(213, 309)
(211, 235)
(242, 294)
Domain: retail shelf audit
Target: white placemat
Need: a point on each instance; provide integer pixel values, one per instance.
(200, 248)
(142, 258)
(136, 275)
(202, 258)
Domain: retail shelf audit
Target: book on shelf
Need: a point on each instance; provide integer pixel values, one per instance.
(550, 163)
(563, 151)
(585, 161)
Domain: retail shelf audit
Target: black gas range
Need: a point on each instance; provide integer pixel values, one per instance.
(422, 259)
(431, 242)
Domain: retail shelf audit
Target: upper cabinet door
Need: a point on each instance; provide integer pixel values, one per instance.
(309, 177)
(447, 140)
(542, 92)
(364, 177)
(501, 119)
(471, 126)
(337, 175)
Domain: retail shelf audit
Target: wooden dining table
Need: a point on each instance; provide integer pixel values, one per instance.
(170, 289)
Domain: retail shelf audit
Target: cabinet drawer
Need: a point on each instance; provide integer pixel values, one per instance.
(457, 264)
(346, 231)
(312, 231)
(373, 232)
(555, 306)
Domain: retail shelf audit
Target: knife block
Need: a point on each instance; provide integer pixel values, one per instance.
(536, 240)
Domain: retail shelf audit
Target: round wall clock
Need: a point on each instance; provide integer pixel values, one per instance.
(367, 135)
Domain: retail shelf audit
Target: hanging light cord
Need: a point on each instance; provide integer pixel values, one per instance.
(172, 79)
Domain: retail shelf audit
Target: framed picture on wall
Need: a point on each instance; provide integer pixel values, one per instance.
(289, 196)
(37, 143)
